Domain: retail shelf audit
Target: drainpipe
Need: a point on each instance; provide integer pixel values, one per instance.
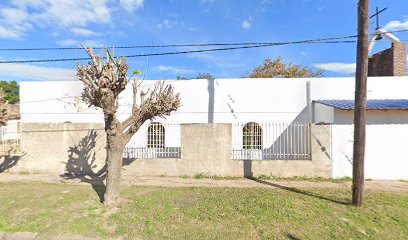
(211, 90)
(309, 103)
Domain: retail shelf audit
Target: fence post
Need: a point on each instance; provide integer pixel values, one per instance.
(320, 140)
(206, 148)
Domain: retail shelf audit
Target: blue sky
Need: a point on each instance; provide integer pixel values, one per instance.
(60, 23)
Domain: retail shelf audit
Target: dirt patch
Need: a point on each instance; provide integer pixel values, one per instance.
(382, 185)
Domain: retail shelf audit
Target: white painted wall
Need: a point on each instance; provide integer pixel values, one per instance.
(385, 156)
(261, 100)
(60, 102)
(245, 100)
(343, 88)
(373, 116)
(250, 99)
(327, 114)
(323, 113)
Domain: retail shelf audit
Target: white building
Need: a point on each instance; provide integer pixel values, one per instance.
(298, 100)
(218, 101)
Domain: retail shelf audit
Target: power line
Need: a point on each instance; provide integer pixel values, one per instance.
(184, 45)
(163, 46)
(187, 112)
(145, 46)
(332, 40)
(172, 53)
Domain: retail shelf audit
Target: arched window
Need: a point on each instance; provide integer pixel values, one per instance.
(155, 135)
(252, 136)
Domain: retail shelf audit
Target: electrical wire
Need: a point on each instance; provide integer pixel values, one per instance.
(188, 45)
(259, 45)
(172, 53)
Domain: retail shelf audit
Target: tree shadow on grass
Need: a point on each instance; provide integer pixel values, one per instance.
(82, 165)
(299, 191)
(7, 162)
(291, 236)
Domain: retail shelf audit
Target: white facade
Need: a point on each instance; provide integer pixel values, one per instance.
(253, 100)
(385, 156)
(261, 100)
(332, 115)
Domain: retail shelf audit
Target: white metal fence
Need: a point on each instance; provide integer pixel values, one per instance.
(10, 139)
(271, 141)
(155, 140)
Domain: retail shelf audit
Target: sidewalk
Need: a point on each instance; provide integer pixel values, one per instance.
(383, 185)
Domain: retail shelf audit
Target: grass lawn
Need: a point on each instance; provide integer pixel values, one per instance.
(202, 213)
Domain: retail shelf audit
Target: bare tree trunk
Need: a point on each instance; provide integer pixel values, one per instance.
(114, 151)
(360, 104)
(104, 80)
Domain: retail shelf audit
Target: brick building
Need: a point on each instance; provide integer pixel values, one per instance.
(389, 62)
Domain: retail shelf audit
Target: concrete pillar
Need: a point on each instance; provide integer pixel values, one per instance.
(206, 148)
(321, 150)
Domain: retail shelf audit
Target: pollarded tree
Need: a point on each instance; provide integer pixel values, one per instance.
(104, 79)
(278, 69)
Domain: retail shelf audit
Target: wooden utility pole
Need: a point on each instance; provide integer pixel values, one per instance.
(360, 103)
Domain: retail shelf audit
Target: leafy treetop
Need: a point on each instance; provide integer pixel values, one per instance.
(278, 69)
(11, 91)
(199, 76)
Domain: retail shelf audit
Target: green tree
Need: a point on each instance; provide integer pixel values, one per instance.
(204, 76)
(11, 91)
(199, 76)
(278, 69)
(3, 109)
(181, 78)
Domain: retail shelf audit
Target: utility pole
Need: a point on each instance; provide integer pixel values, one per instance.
(360, 103)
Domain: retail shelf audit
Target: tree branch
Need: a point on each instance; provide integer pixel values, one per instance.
(159, 103)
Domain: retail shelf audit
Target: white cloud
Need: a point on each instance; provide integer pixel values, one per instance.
(14, 15)
(171, 69)
(131, 5)
(93, 43)
(33, 72)
(68, 42)
(8, 34)
(36, 4)
(343, 68)
(76, 43)
(166, 24)
(70, 13)
(396, 25)
(83, 32)
(246, 24)
(59, 15)
(13, 23)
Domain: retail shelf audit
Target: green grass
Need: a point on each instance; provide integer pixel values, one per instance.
(202, 213)
(271, 177)
(308, 179)
(213, 177)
